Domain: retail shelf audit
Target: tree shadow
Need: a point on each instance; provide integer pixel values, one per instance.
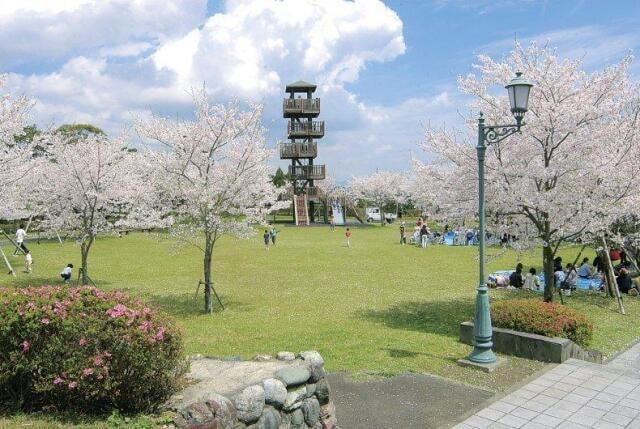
(26, 281)
(436, 317)
(185, 305)
(402, 353)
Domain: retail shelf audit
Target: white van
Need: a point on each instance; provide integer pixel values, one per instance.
(372, 214)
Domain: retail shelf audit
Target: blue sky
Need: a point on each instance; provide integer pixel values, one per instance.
(384, 68)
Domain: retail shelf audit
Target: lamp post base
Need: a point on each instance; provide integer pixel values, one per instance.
(484, 367)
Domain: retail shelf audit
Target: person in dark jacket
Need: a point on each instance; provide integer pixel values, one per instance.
(624, 281)
(515, 279)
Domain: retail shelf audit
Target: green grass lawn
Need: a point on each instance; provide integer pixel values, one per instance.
(375, 309)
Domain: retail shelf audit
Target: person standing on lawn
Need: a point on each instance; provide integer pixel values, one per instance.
(403, 236)
(273, 233)
(266, 238)
(347, 234)
(28, 260)
(20, 236)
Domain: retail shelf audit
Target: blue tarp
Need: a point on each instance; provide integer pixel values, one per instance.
(449, 238)
(582, 283)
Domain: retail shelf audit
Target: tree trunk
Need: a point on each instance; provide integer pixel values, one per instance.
(84, 251)
(208, 253)
(549, 280)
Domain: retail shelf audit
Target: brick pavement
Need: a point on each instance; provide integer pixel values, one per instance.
(575, 394)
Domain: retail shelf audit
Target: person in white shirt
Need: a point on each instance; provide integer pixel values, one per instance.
(531, 280)
(585, 270)
(66, 273)
(28, 260)
(20, 235)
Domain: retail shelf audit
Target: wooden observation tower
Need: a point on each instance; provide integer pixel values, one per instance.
(301, 108)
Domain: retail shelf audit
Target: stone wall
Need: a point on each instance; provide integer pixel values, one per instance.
(283, 392)
(532, 346)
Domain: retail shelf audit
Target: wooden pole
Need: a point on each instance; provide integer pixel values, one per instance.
(6, 261)
(614, 291)
(13, 242)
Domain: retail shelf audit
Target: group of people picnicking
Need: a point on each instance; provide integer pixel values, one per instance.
(21, 247)
(567, 277)
(422, 235)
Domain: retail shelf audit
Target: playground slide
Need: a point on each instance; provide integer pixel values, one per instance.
(336, 209)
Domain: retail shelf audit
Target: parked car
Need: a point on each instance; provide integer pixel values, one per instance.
(372, 214)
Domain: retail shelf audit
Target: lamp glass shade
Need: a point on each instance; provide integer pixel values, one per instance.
(519, 89)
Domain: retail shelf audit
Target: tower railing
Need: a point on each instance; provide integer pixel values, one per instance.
(304, 129)
(298, 150)
(307, 172)
(309, 106)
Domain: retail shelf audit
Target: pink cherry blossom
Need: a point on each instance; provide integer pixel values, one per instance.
(87, 372)
(25, 346)
(82, 342)
(217, 165)
(73, 385)
(571, 172)
(58, 380)
(45, 321)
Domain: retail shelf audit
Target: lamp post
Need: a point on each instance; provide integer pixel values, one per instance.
(518, 90)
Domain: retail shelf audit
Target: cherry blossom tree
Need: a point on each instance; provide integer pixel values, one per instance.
(382, 187)
(15, 155)
(86, 187)
(212, 174)
(571, 172)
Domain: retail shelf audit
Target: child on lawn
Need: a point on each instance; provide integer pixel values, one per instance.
(28, 260)
(66, 273)
(348, 235)
(266, 238)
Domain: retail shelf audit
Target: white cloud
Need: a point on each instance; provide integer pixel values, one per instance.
(595, 45)
(109, 59)
(35, 32)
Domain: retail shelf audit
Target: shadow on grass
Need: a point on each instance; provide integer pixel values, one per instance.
(50, 281)
(185, 305)
(435, 317)
(402, 353)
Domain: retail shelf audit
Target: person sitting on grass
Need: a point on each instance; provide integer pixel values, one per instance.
(571, 278)
(585, 271)
(515, 279)
(66, 273)
(624, 281)
(531, 280)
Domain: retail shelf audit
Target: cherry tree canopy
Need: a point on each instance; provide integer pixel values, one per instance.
(14, 157)
(212, 174)
(85, 187)
(573, 170)
(382, 187)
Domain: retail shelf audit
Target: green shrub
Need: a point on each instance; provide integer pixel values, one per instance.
(543, 318)
(85, 349)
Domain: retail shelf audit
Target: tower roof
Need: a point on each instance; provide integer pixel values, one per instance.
(300, 86)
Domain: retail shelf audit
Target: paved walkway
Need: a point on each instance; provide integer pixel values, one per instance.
(409, 401)
(575, 394)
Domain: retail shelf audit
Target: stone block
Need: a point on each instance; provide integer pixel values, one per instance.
(532, 346)
(249, 404)
(328, 416)
(293, 375)
(323, 392)
(275, 392)
(295, 397)
(311, 389)
(311, 410)
(285, 356)
(223, 410)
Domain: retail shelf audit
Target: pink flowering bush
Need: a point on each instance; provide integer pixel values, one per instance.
(85, 349)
